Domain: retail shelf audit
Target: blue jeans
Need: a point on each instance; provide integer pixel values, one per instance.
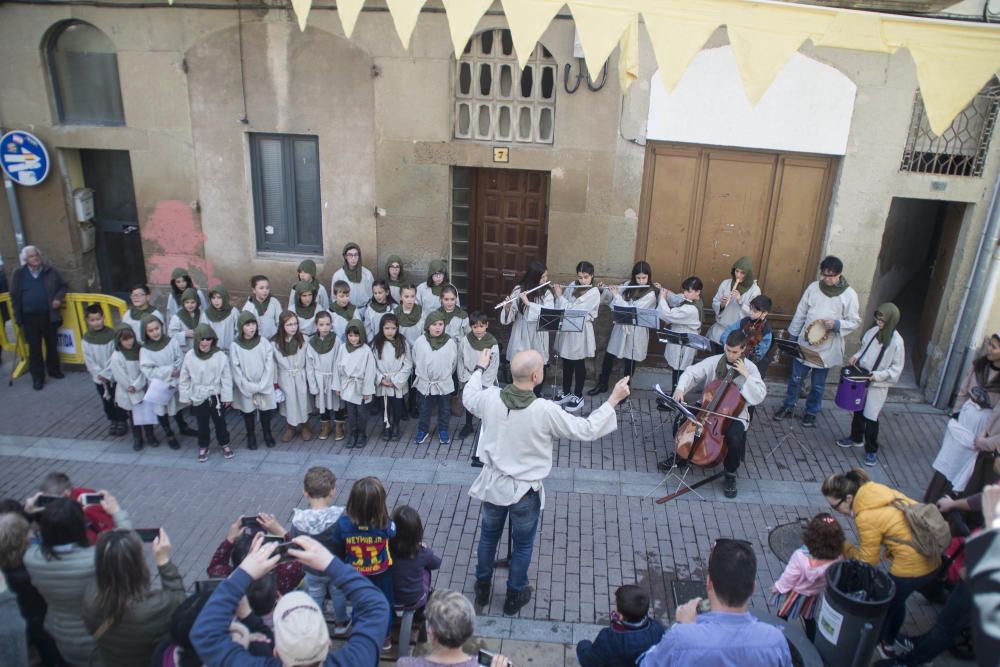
(317, 586)
(956, 615)
(894, 617)
(427, 403)
(523, 524)
(815, 398)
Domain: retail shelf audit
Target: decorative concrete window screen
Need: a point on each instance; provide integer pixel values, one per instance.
(83, 64)
(962, 148)
(495, 102)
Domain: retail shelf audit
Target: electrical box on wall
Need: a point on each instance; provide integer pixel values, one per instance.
(83, 204)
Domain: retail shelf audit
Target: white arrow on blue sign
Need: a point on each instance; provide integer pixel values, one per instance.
(24, 158)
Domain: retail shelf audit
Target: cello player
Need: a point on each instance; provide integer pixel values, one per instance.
(752, 388)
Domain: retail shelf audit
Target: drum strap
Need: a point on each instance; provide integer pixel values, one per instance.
(878, 359)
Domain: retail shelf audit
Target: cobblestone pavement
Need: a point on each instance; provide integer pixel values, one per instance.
(600, 527)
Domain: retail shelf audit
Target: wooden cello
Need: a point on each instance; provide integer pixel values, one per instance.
(703, 443)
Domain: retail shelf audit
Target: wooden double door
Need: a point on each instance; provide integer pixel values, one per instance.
(508, 230)
(705, 207)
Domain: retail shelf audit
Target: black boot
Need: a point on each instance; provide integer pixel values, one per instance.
(137, 438)
(411, 400)
(729, 486)
(248, 421)
(150, 436)
(182, 426)
(467, 428)
(602, 381)
(394, 430)
(171, 438)
(265, 427)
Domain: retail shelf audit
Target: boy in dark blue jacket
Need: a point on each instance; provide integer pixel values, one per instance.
(300, 632)
(632, 632)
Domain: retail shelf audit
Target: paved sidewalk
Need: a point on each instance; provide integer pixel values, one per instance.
(600, 527)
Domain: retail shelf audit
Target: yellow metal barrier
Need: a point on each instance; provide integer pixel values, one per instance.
(74, 325)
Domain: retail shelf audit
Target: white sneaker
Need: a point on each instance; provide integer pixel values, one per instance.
(575, 404)
(564, 399)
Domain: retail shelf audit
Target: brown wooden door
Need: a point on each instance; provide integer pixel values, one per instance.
(704, 207)
(509, 230)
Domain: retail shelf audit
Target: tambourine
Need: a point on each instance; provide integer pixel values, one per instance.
(817, 333)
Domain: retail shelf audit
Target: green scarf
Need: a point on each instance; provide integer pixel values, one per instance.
(835, 290)
(700, 306)
(516, 399)
(890, 313)
(153, 345)
(247, 316)
(137, 314)
(205, 332)
(362, 335)
(408, 319)
(130, 355)
(261, 308)
(437, 266)
(218, 314)
(480, 344)
(379, 307)
(102, 336)
(305, 312)
(291, 346)
(346, 312)
(353, 275)
(448, 317)
(721, 368)
(190, 320)
(745, 265)
(309, 266)
(179, 273)
(394, 259)
(323, 345)
(437, 342)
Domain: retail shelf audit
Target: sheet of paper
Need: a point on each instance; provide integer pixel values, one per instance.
(144, 414)
(158, 392)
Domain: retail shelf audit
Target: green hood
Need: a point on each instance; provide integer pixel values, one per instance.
(890, 313)
(154, 345)
(745, 264)
(437, 266)
(437, 342)
(205, 332)
(174, 275)
(218, 314)
(190, 320)
(247, 316)
(133, 354)
(306, 312)
(394, 259)
(353, 275)
(360, 327)
(516, 399)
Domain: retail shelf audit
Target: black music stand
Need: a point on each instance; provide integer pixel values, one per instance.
(676, 471)
(647, 318)
(560, 319)
(790, 347)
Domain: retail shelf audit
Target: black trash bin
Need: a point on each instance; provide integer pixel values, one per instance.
(851, 613)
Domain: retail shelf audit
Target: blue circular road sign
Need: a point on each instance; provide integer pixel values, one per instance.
(24, 158)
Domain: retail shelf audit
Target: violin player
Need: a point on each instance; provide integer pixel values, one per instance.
(751, 388)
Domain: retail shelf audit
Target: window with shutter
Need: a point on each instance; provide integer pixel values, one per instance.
(286, 195)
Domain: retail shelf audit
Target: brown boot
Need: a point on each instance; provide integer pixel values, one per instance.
(338, 428)
(324, 430)
(288, 434)
(307, 434)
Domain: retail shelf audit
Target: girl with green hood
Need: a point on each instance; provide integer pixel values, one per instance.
(354, 380)
(882, 356)
(429, 293)
(732, 300)
(180, 280)
(160, 359)
(307, 272)
(221, 316)
(183, 323)
(251, 361)
(206, 383)
(130, 383)
(394, 276)
(435, 360)
(356, 275)
(305, 308)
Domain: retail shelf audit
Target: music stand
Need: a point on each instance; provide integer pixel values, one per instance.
(559, 319)
(646, 318)
(675, 470)
(790, 347)
(701, 343)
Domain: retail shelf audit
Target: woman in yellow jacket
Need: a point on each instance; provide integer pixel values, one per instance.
(880, 526)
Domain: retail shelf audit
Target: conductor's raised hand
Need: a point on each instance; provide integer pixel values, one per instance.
(485, 356)
(620, 392)
(311, 553)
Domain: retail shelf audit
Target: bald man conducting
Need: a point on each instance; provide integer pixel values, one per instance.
(515, 445)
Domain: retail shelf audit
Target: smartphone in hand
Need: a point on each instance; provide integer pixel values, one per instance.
(91, 498)
(249, 522)
(148, 534)
(486, 658)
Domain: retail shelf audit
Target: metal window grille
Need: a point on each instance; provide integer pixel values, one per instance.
(286, 194)
(961, 149)
(494, 102)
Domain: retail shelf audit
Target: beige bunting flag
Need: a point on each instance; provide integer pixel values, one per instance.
(528, 20)
(677, 36)
(463, 17)
(628, 55)
(600, 27)
(404, 16)
(301, 9)
(348, 11)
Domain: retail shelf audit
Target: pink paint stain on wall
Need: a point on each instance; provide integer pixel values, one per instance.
(172, 227)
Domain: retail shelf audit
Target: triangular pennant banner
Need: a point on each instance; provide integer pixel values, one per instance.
(599, 27)
(463, 17)
(404, 16)
(528, 20)
(348, 11)
(301, 8)
(677, 41)
(855, 30)
(628, 55)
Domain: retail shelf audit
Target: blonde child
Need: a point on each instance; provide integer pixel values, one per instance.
(206, 383)
(392, 372)
(394, 276)
(356, 276)
(221, 316)
(628, 342)
(307, 272)
(381, 303)
(321, 355)
(180, 281)
(290, 370)
(429, 293)
(354, 381)
(576, 347)
(361, 537)
(342, 309)
(305, 308)
(251, 362)
(98, 346)
(130, 383)
(797, 590)
(264, 306)
(435, 358)
(682, 313)
(160, 359)
(470, 347)
(139, 298)
(182, 324)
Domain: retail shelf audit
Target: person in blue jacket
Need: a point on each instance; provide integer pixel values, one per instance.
(756, 327)
(301, 636)
(632, 632)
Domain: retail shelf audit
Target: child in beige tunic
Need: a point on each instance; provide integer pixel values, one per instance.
(290, 371)
(251, 362)
(354, 380)
(321, 354)
(393, 367)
